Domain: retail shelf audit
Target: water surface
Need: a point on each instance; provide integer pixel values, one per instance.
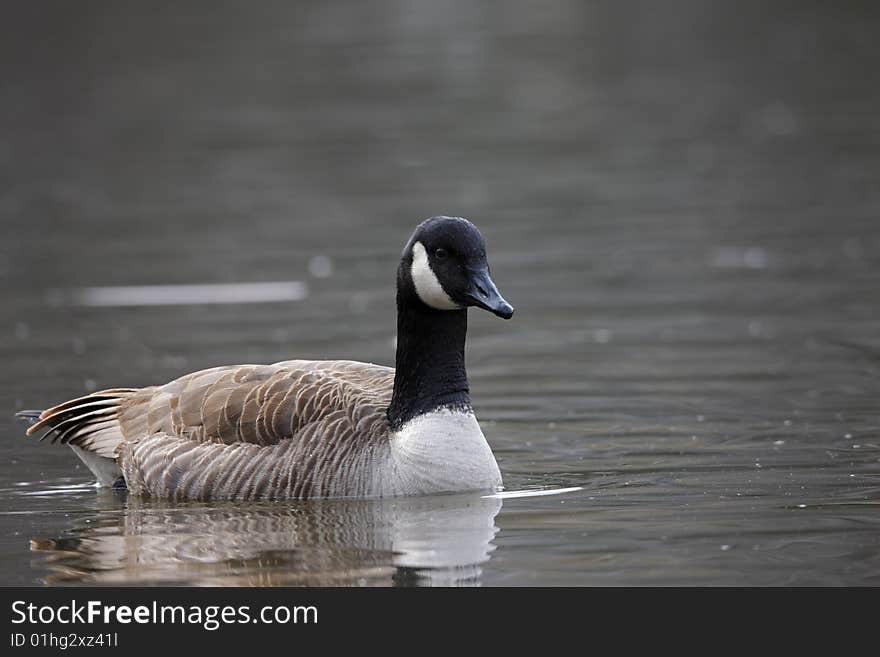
(681, 201)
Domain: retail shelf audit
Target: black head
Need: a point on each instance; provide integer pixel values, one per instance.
(444, 266)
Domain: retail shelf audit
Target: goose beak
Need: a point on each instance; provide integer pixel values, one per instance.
(485, 295)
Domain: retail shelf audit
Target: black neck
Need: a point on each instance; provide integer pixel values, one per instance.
(430, 371)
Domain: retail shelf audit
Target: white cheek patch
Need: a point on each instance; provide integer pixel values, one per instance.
(425, 281)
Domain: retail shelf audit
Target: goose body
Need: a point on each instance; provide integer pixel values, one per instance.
(305, 428)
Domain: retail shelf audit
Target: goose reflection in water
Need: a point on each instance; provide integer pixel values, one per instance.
(424, 541)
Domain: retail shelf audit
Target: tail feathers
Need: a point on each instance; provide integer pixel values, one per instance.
(89, 423)
(31, 417)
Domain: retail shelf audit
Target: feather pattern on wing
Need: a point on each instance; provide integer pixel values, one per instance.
(294, 429)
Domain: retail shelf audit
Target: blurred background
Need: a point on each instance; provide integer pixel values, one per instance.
(681, 199)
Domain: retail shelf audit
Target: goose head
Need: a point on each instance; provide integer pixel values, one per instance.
(444, 267)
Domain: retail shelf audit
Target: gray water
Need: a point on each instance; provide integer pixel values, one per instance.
(680, 198)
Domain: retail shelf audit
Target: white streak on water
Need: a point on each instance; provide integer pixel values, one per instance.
(173, 295)
(505, 495)
(63, 489)
(734, 257)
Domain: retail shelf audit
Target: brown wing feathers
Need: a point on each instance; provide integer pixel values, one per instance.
(220, 431)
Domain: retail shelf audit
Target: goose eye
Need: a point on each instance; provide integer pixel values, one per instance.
(440, 254)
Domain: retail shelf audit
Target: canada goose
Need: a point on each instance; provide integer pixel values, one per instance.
(305, 428)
